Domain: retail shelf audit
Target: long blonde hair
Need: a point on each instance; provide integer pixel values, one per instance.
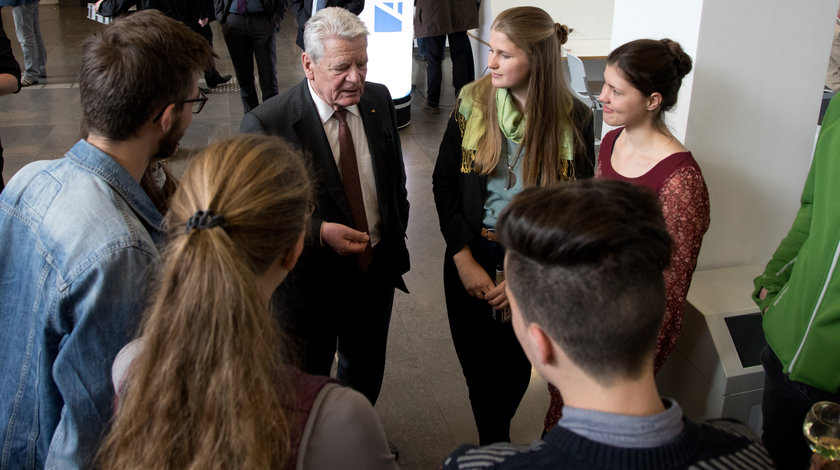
(205, 390)
(549, 102)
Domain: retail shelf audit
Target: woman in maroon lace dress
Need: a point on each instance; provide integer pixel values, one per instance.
(642, 80)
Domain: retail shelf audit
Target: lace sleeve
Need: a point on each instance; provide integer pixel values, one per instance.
(685, 204)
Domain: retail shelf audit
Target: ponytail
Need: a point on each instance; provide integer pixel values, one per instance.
(206, 390)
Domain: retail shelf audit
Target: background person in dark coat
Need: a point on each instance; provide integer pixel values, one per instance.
(249, 27)
(195, 14)
(434, 21)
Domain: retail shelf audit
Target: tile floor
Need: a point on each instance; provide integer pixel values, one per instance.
(423, 405)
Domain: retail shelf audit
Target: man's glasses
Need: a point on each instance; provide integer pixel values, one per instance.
(197, 105)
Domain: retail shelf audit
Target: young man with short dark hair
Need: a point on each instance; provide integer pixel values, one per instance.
(79, 236)
(584, 279)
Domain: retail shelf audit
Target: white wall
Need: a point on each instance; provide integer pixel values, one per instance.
(590, 19)
(632, 20)
(754, 105)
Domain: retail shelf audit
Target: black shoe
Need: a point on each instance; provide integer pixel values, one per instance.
(217, 79)
(204, 90)
(431, 108)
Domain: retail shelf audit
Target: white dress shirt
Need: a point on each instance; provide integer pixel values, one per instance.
(363, 157)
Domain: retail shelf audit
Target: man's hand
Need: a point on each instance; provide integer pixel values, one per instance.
(343, 239)
(203, 22)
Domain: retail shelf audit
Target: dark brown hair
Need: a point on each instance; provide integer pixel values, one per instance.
(134, 68)
(584, 261)
(653, 66)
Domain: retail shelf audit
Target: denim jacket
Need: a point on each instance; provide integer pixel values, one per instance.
(78, 239)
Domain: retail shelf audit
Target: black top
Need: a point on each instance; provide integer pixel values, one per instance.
(459, 197)
(8, 64)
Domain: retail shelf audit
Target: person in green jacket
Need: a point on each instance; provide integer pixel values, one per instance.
(799, 294)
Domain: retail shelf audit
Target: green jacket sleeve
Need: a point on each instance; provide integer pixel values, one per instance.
(777, 272)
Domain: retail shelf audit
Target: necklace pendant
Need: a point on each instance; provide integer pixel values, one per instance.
(510, 179)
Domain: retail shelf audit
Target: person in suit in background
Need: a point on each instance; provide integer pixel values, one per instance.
(201, 13)
(304, 9)
(342, 290)
(249, 27)
(194, 14)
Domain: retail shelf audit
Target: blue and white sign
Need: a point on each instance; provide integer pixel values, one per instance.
(390, 44)
(387, 17)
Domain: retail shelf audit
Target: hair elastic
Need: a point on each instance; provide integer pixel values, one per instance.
(205, 219)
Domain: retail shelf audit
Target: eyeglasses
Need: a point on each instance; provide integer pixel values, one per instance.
(197, 105)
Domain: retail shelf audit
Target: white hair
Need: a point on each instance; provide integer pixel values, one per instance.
(330, 22)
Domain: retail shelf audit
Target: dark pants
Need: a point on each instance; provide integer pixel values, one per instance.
(206, 33)
(784, 406)
(248, 38)
(495, 367)
(344, 310)
(463, 70)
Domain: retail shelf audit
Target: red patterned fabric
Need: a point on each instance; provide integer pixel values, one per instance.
(678, 182)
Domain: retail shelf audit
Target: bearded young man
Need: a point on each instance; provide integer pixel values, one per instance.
(79, 236)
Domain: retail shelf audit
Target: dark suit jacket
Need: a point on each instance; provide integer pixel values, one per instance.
(293, 116)
(275, 8)
(303, 10)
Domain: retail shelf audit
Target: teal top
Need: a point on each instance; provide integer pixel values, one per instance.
(497, 196)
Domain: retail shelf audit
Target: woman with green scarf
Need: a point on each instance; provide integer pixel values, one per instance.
(516, 127)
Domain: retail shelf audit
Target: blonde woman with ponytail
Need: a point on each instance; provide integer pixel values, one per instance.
(519, 126)
(206, 385)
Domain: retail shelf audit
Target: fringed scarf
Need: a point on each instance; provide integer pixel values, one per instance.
(470, 120)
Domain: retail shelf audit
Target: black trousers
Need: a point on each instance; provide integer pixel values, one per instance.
(463, 70)
(248, 38)
(337, 308)
(783, 407)
(206, 33)
(495, 367)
